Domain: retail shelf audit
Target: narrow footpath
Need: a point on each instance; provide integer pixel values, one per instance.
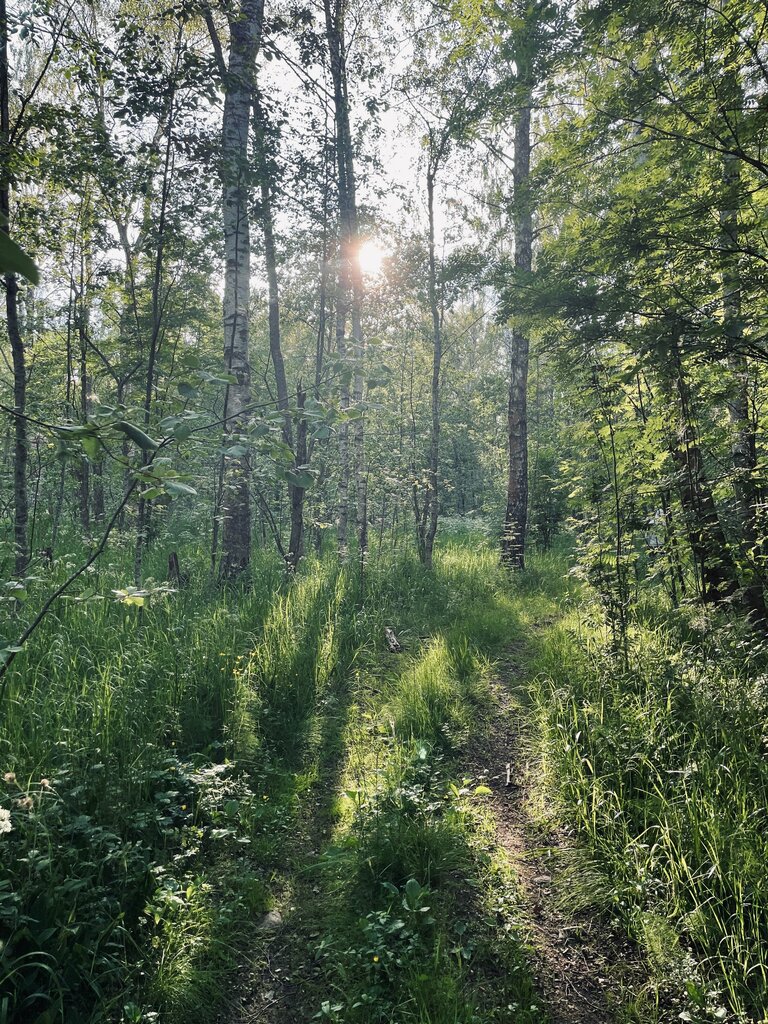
(582, 966)
(583, 969)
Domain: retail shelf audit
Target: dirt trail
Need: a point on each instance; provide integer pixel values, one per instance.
(580, 966)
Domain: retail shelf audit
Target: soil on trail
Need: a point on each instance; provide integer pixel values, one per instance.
(581, 965)
(266, 993)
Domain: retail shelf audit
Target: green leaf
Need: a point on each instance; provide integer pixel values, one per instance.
(17, 590)
(412, 890)
(177, 489)
(187, 391)
(73, 430)
(92, 447)
(13, 260)
(191, 360)
(302, 479)
(237, 451)
(137, 435)
(212, 378)
(6, 652)
(182, 431)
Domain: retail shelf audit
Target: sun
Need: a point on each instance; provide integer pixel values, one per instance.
(370, 256)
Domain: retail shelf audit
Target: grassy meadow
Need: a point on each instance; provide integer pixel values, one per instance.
(173, 770)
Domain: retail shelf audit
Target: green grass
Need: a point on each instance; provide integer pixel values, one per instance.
(663, 767)
(155, 760)
(415, 908)
(168, 766)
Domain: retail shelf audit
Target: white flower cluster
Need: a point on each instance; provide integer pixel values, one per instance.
(5, 821)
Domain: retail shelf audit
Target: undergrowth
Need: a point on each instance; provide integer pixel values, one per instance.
(169, 758)
(663, 765)
(147, 812)
(168, 763)
(415, 912)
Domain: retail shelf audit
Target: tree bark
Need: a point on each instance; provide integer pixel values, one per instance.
(245, 39)
(295, 493)
(18, 356)
(427, 524)
(350, 283)
(516, 516)
(718, 578)
(743, 439)
(82, 311)
(143, 513)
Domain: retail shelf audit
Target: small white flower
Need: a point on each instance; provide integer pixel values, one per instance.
(5, 821)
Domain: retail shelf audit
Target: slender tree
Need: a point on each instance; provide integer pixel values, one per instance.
(245, 28)
(11, 281)
(350, 280)
(516, 514)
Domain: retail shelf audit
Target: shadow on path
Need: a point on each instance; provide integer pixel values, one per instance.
(582, 966)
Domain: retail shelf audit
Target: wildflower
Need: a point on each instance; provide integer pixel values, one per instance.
(10, 778)
(26, 803)
(183, 807)
(375, 959)
(5, 821)
(45, 783)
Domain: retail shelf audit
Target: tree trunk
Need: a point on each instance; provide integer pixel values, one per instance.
(21, 450)
(142, 518)
(98, 491)
(295, 493)
(516, 516)
(342, 512)
(82, 308)
(706, 537)
(245, 38)
(427, 527)
(350, 282)
(743, 441)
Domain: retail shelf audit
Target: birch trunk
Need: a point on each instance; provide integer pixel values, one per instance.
(516, 517)
(18, 355)
(296, 494)
(350, 284)
(427, 527)
(245, 38)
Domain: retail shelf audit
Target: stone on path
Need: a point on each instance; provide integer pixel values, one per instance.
(270, 922)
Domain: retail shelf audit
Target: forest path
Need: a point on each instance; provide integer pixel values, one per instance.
(582, 966)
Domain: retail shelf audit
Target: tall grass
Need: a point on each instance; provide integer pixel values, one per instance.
(157, 759)
(664, 767)
(410, 888)
(145, 752)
